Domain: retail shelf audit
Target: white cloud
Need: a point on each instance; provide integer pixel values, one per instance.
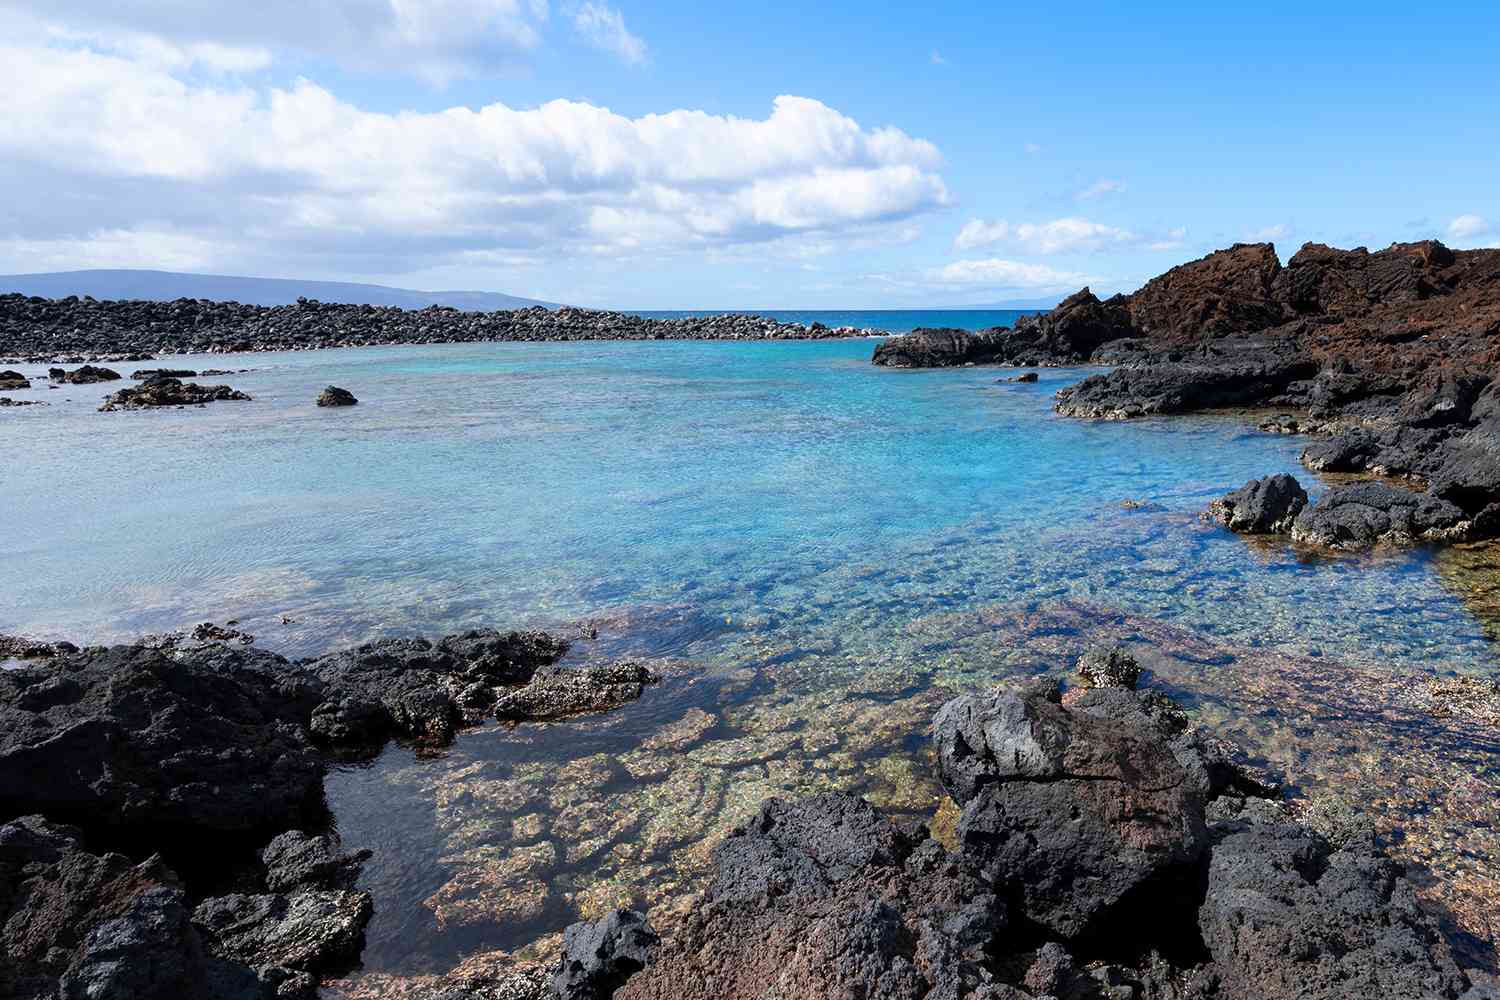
(604, 28)
(937, 58)
(1280, 231)
(1004, 275)
(1100, 189)
(1058, 236)
(1467, 227)
(435, 39)
(116, 151)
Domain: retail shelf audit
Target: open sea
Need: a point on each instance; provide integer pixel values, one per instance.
(819, 551)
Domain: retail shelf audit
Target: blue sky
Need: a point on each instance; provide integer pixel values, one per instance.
(672, 155)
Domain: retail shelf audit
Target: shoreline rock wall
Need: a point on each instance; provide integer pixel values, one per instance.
(41, 329)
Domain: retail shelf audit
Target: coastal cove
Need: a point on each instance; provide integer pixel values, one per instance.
(825, 550)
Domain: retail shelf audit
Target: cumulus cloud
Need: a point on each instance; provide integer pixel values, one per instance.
(1004, 275)
(1100, 189)
(437, 39)
(603, 27)
(119, 152)
(1466, 227)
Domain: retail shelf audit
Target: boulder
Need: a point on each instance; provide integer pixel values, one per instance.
(1287, 917)
(334, 396)
(931, 348)
(599, 957)
(1265, 506)
(296, 861)
(1384, 451)
(1108, 667)
(1361, 515)
(141, 374)
(1081, 812)
(286, 938)
(14, 380)
(86, 375)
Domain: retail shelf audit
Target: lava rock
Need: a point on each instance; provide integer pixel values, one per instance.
(1262, 506)
(163, 391)
(14, 380)
(13, 647)
(1078, 810)
(931, 348)
(141, 374)
(1247, 375)
(421, 691)
(1361, 515)
(824, 897)
(1229, 291)
(1108, 667)
(559, 692)
(1286, 917)
(286, 937)
(334, 396)
(296, 860)
(599, 957)
(141, 740)
(87, 375)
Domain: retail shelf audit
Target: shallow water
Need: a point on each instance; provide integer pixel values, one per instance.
(825, 550)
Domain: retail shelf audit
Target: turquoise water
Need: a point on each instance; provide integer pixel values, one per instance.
(889, 320)
(821, 547)
(544, 483)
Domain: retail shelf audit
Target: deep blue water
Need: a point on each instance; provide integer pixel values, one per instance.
(888, 320)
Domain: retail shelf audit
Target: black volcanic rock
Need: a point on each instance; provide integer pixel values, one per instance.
(1361, 515)
(135, 740)
(1262, 506)
(165, 391)
(1232, 375)
(599, 957)
(559, 692)
(933, 348)
(13, 380)
(141, 374)
(87, 375)
(1286, 915)
(334, 396)
(286, 939)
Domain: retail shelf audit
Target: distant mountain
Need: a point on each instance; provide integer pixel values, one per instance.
(168, 285)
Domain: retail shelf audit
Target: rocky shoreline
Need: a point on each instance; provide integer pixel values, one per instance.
(74, 330)
(1387, 360)
(1104, 847)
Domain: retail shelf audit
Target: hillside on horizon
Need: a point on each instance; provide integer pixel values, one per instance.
(165, 286)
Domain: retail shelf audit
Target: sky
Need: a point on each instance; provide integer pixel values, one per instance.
(670, 155)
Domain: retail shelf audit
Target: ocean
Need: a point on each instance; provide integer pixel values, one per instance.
(816, 551)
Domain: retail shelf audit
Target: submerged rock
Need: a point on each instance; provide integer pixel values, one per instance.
(1108, 667)
(163, 391)
(1362, 515)
(1262, 506)
(141, 374)
(560, 692)
(334, 396)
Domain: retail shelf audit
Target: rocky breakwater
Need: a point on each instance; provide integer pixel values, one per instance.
(162, 826)
(40, 329)
(1104, 849)
(163, 390)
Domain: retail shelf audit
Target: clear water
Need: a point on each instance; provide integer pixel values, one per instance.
(888, 320)
(824, 547)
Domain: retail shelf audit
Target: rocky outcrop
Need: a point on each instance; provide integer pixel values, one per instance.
(87, 375)
(423, 691)
(1362, 515)
(1140, 859)
(164, 391)
(288, 940)
(1234, 374)
(1262, 506)
(142, 741)
(934, 348)
(13, 380)
(334, 396)
(1229, 291)
(1069, 334)
(1108, 667)
(14, 647)
(42, 329)
(141, 374)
